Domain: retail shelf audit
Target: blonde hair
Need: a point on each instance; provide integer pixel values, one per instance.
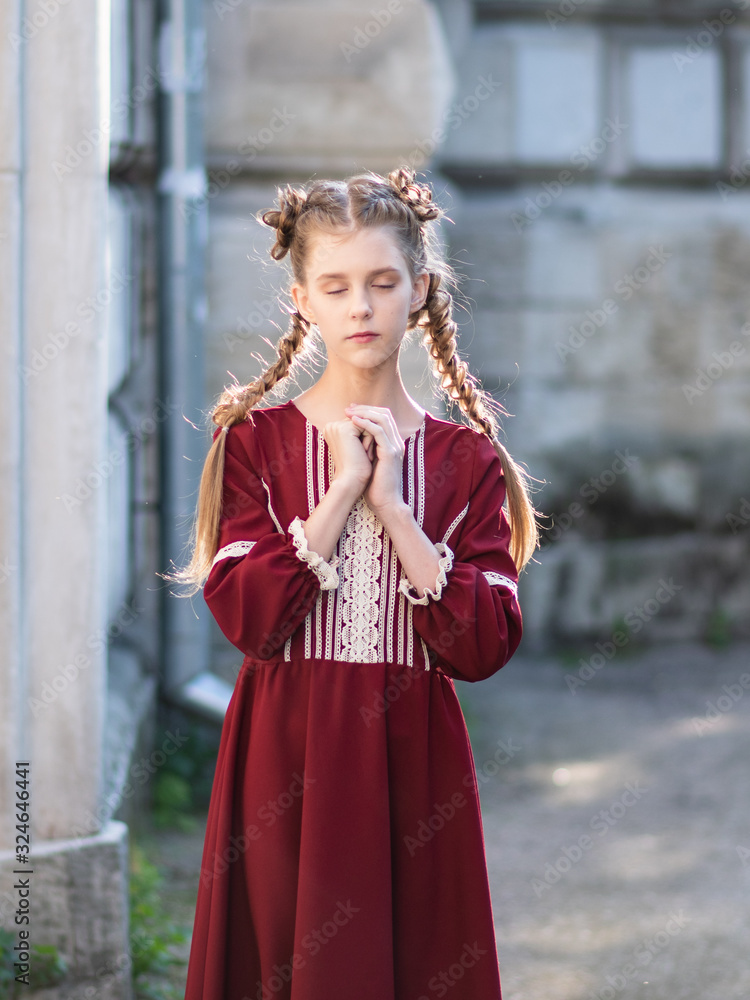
(363, 201)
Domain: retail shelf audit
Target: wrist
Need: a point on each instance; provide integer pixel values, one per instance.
(394, 513)
(346, 489)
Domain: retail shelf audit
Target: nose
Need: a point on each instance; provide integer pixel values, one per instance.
(361, 304)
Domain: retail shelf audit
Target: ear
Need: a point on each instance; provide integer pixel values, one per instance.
(420, 288)
(302, 301)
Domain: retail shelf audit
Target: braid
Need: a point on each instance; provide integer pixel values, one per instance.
(233, 407)
(284, 218)
(418, 197)
(482, 411)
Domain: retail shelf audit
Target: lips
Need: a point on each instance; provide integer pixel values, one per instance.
(362, 335)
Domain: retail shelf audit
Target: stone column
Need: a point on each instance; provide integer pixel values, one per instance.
(53, 242)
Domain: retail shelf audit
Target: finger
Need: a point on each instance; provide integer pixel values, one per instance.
(374, 426)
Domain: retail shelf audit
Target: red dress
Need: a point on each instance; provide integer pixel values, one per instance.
(344, 856)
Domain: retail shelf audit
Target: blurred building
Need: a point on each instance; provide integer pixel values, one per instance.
(594, 159)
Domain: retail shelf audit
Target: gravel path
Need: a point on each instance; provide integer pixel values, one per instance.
(617, 824)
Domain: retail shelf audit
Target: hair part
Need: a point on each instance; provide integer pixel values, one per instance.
(328, 206)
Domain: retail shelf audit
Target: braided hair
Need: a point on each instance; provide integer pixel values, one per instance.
(407, 208)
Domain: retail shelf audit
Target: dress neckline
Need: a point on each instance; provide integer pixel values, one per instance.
(309, 423)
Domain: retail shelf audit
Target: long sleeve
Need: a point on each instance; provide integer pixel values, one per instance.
(264, 580)
(471, 621)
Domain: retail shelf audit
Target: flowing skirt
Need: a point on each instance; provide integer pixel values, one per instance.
(344, 855)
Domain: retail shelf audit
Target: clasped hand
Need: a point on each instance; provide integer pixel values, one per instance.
(368, 454)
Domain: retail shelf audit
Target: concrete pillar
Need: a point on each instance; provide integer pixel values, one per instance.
(54, 97)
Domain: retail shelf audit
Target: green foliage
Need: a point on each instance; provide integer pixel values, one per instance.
(718, 631)
(182, 788)
(48, 967)
(152, 933)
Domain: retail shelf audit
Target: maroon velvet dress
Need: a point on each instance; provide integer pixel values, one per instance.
(344, 856)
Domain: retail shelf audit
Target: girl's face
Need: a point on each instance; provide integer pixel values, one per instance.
(359, 282)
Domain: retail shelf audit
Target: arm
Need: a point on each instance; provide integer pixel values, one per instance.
(471, 619)
(265, 578)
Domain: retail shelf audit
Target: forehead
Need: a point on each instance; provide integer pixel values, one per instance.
(349, 251)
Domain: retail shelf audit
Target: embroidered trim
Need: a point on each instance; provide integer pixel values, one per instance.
(360, 589)
(455, 522)
(232, 550)
(445, 563)
(270, 508)
(325, 571)
(503, 581)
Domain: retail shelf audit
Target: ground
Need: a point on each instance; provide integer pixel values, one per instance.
(615, 810)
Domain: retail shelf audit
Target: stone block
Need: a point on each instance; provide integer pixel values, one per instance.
(675, 102)
(654, 589)
(484, 133)
(79, 905)
(290, 85)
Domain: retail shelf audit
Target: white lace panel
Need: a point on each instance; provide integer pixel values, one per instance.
(232, 551)
(360, 588)
(445, 563)
(325, 571)
(503, 581)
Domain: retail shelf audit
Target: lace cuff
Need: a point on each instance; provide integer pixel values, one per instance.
(325, 571)
(445, 563)
(502, 581)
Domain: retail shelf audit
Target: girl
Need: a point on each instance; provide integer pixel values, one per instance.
(356, 550)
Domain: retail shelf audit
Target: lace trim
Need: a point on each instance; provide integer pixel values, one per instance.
(445, 563)
(455, 522)
(270, 508)
(232, 550)
(360, 589)
(325, 571)
(504, 581)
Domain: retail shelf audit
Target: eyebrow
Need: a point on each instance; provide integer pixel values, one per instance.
(371, 274)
